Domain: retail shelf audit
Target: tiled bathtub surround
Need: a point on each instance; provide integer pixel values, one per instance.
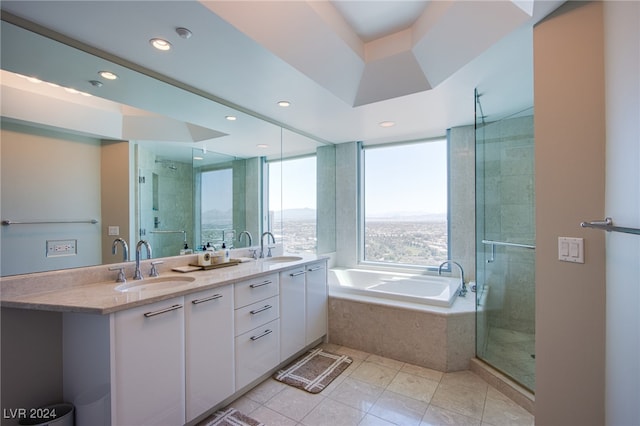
(436, 340)
(381, 391)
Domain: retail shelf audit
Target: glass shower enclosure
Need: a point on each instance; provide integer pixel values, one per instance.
(505, 243)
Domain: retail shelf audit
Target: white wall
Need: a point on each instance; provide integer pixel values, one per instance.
(46, 176)
(622, 80)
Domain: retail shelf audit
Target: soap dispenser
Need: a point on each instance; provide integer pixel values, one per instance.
(227, 254)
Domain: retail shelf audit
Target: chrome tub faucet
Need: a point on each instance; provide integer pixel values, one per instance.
(463, 288)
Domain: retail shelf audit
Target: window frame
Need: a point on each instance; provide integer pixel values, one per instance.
(371, 264)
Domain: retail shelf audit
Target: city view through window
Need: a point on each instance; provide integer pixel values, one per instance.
(404, 203)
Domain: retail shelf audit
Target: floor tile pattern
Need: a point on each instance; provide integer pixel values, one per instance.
(377, 391)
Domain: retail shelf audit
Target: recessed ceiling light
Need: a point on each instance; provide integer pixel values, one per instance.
(95, 83)
(231, 117)
(387, 124)
(160, 44)
(284, 104)
(262, 145)
(108, 75)
(183, 32)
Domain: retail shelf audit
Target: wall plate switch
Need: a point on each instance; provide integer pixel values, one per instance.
(114, 230)
(571, 249)
(61, 248)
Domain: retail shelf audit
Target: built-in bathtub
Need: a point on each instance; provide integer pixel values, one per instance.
(413, 318)
(425, 289)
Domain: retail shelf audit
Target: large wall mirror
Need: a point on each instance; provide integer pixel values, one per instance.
(138, 159)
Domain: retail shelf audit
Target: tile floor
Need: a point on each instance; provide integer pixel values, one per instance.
(510, 351)
(377, 391)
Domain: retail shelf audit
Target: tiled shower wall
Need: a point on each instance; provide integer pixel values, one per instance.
(174, 208)
(506, 210)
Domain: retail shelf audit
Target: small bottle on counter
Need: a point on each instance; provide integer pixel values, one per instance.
(186, 249)
(225, 253)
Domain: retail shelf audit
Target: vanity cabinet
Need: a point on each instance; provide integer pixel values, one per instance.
(317, 300)
(209, 341)
(303, 307)
(257, 328)
(148, 378)
(169, 362)
(292, 311)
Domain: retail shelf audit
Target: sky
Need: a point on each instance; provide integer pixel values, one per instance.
(296, 179)
(406, 178)
(409, 178)
(218, 183)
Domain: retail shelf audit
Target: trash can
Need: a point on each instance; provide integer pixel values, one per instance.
(51, 415)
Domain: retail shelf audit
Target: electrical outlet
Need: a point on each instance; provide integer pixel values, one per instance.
(61, 248)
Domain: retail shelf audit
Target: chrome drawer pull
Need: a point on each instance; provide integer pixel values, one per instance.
(259, 336)
(162, 311)
(206, 299)
(295, 274)
(314, 269)
(261, 284)
(257, 311)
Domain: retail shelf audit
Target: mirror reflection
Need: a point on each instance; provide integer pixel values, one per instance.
(137, 169)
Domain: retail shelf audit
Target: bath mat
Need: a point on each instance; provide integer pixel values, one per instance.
(231, 417)
(314, 371)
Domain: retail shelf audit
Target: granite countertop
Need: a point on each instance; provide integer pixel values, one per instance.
(60, 293)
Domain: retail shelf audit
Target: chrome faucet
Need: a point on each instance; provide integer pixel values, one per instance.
(137, 275)
(249, 237)
(125, 248)
(463, 287)
(254, 252)
(273, 239)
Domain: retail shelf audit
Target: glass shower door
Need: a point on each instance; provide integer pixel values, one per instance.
(505, 246)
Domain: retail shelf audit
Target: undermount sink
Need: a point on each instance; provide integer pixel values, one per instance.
(158, 283)
(282, 259)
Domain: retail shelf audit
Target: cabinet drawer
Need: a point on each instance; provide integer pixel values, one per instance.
(257, 314)
(251, 291)
(257, 352)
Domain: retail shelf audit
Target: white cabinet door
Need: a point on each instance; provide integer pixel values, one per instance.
(257, 352)
(148, 381)
(317, 301)
(209, 349)
(292, 311)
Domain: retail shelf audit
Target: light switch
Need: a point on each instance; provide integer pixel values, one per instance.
(571, 249)
(564, 248)
(574, 249)
(114, 230)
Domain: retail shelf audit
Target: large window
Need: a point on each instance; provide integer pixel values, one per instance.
(405, 204)
(292, 203)
(216, 206)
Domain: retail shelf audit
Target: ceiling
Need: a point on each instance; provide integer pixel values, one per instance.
(345, 66)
